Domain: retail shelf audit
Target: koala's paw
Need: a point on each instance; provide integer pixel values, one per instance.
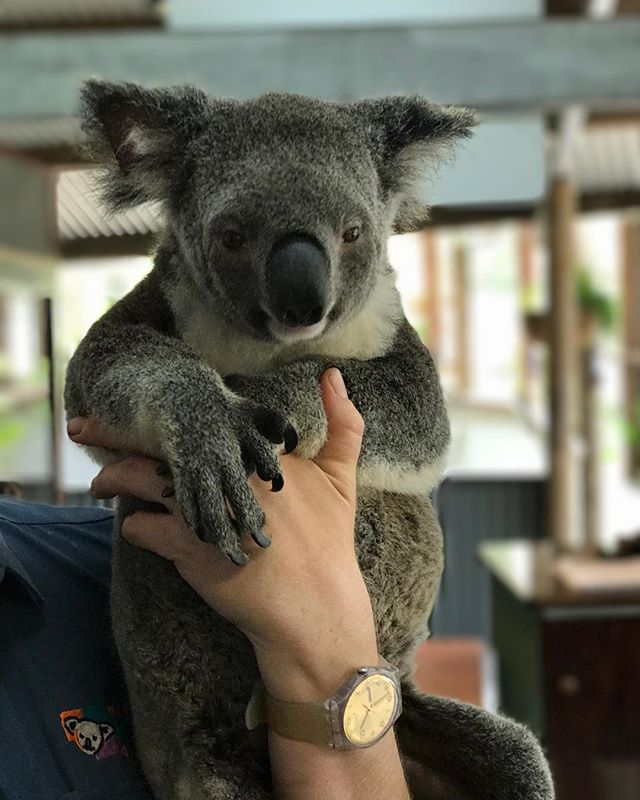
(209, 461)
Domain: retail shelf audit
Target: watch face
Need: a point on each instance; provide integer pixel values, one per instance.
(370, 710)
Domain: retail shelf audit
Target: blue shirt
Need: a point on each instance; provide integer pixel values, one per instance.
(64, 728)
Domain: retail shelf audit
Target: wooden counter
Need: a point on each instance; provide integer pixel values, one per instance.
(569, 667)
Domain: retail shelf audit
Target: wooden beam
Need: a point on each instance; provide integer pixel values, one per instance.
(517, 65)
(446, 216)
(107, 246)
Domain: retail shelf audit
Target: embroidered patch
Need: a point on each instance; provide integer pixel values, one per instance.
(97, 730)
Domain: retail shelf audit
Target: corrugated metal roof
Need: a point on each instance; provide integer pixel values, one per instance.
(81, 217)
(24, 13)
(607, 158)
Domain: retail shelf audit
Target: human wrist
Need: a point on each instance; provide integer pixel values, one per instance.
(311, 670)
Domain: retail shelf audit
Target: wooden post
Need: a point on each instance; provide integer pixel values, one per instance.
(525, 283)
(590, 468)
(564, 361)
(432, 281)
(631, 341)
(461, 304)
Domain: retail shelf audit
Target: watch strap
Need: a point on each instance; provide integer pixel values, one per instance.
(306, 722)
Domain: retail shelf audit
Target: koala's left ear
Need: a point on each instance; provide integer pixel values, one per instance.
(141, 136)
(407, 134)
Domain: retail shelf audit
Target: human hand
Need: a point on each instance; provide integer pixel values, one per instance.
(302, 603)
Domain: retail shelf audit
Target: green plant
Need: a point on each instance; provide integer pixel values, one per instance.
(594, 301)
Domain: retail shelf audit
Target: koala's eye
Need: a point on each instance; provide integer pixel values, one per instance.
(232, 240)
(94, 738)
(351, 234)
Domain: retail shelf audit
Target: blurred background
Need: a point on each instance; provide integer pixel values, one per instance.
(525, 285)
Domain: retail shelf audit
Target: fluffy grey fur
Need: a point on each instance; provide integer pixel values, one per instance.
(194, 368)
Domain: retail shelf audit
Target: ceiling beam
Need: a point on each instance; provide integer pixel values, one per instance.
(520, 65)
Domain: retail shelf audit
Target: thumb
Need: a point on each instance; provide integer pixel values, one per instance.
(339, 456)
(89, 431)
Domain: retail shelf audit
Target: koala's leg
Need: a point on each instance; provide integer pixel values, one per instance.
(455, 751)
(399, 547)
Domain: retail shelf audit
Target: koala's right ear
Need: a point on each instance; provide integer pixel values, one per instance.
(407, 134)
(140, 136)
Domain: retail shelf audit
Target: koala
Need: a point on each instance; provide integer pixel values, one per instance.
(88, 735)
(272, 267)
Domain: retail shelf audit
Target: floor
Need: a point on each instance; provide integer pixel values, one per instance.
(461, 668)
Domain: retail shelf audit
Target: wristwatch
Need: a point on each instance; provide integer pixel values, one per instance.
(358, 714)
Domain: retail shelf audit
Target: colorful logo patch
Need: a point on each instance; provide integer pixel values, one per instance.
(97, 730)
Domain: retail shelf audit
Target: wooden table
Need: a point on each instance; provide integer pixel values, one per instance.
(569, 667)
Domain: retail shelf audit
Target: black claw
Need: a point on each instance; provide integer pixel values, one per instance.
(238, 557)
(168, 491)
(201, 534)
(290, 439)
(163, 470)
(260, 539)
(277, 483)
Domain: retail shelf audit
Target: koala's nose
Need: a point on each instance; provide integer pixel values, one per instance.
(298, 281)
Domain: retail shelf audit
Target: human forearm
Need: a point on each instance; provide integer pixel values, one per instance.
(304, 771)
(312, 671)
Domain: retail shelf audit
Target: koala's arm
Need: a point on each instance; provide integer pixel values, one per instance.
(125, 363)
(399, 396)
(132, 373)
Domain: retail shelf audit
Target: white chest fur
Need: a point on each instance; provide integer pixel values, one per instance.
(368, 334)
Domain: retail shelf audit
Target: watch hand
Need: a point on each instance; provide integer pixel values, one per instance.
(369, 691)
(364, 719)
(384, 697)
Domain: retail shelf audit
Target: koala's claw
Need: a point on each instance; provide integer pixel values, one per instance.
(260, 539)
(290, 439)
(163, 470)
(238, 557)
(211, 458)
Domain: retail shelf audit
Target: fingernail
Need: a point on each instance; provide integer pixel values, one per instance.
(169, 491)
(337, 383)
(75, 426)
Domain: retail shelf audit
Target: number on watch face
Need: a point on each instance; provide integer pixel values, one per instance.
(369, 709)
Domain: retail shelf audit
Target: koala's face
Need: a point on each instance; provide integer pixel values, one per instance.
(281, 206)
(88, 735)
(283, 222)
